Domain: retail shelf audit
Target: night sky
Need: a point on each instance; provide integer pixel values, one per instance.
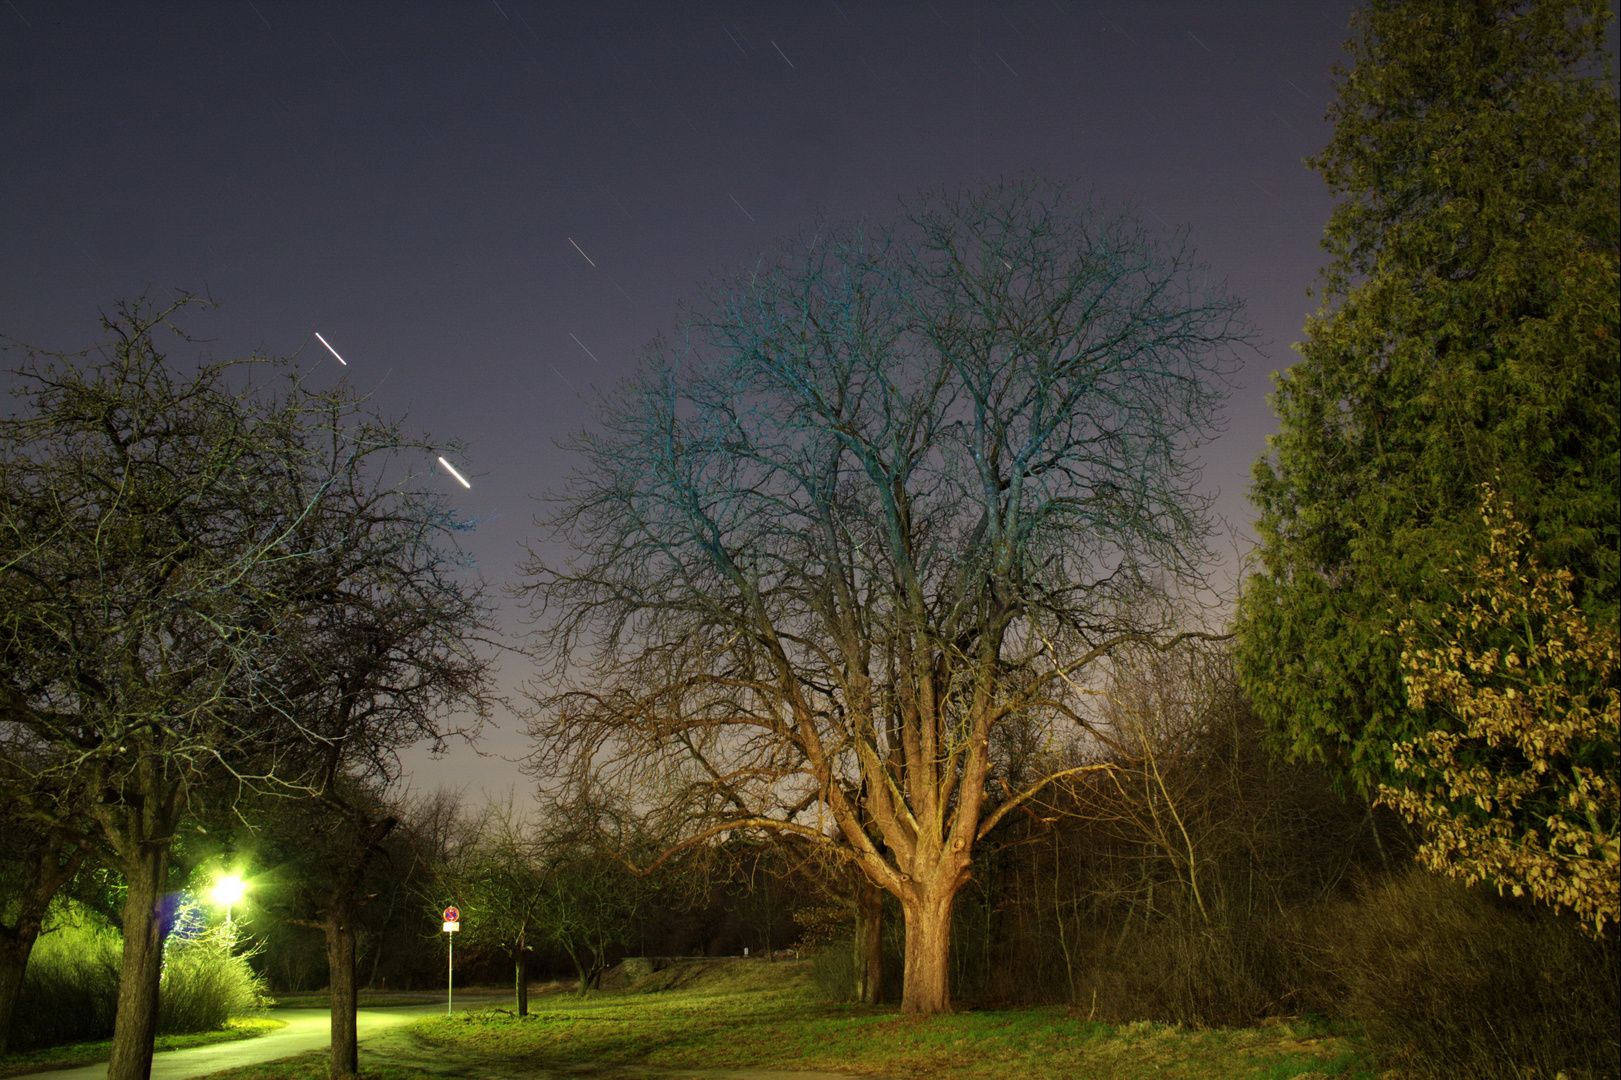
(424, 183)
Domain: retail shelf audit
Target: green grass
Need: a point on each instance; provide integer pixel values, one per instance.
(743, 1015)
(92, 1053)
(1034, 1044)
(735, 1015)
(312, 1068)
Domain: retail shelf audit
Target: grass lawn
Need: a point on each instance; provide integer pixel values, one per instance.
(76, 1054)
(734, 1015)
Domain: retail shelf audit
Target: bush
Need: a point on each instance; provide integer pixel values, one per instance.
(70, 989)
(833, 966)
(1451, 981)
(833, 970)
(204, 986)
(1232, 972)
(1180, 885)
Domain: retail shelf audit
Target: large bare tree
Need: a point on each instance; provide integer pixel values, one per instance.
(883, 492)
(210, 579)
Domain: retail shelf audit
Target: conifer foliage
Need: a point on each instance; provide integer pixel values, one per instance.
(1468, 334)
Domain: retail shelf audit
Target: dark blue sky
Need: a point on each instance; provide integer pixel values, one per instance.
(406, 178)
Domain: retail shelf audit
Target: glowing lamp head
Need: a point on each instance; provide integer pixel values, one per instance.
(229, 890)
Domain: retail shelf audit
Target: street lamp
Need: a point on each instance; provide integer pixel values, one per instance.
(227, 891)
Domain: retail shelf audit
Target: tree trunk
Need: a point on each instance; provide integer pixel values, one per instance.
(599, 964)
(580, 968)
(869, 943)
(135, 1025)
(14, 950)
(46, 874)
(927, 985)
(520, 974)
(340, 962)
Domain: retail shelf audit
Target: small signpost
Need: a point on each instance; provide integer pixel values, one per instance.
(453, 923)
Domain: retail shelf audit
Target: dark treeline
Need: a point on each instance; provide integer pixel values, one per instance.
(1199, 880)
(1203, 880)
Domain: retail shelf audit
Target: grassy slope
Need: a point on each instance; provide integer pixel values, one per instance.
(752, 1014)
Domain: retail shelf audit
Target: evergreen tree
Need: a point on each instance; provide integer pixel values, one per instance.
(1468, 335)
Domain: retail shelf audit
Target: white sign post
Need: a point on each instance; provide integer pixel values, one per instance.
(453, 923)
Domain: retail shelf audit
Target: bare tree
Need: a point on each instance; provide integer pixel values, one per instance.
(891, 484)
(592, 897)
(387, 655)
(325, 859)
(501, 887)
(181, 561)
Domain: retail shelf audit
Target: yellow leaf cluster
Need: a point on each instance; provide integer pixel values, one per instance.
(1521, 791)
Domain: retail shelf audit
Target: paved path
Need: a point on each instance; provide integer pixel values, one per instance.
(307, 1029)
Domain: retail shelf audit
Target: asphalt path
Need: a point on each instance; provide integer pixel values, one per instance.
(306, 1030)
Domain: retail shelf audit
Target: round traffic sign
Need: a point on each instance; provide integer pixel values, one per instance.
(452, 915)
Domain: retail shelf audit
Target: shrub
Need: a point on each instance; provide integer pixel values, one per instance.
(1236, 970)
(833, 970)
(1230, 973)
(70, 988)
(833, 965)
(204, 985)
(1452, 981)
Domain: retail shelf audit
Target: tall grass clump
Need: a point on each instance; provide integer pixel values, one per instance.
(70, 989)
(1456, 982)
(204, 985)
(1231, 971)
(833, 970)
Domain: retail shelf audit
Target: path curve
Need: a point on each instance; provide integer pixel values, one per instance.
(306, 1030)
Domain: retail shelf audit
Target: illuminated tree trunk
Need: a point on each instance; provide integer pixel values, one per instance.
(927, 985)
(145, 866)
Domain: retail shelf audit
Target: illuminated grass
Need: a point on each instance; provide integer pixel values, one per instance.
(717, 1031)
(717, 1016)
(755, 1015)
(92, 1053)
